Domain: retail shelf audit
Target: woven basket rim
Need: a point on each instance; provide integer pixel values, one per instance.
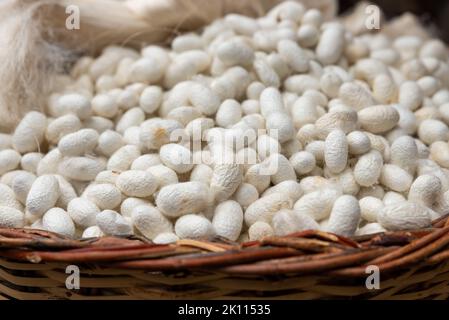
(306, 252)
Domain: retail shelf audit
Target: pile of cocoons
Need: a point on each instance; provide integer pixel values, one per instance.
(356, 127)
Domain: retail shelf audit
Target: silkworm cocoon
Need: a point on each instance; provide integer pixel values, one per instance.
(235, 52)
(280, 126)
(132, 117)
(74, 103)
(78, 143)
(431, 130)
(165, 238)
(151, 99)
(250, 107)
(370, 228)
(264, 208)
(378, 119)
(201, 173)
(314, 183)
(228, 220)
(107, 176)
(308, 35)
(157, 132)
(62, 126)
(384, 89)
(295, 57)
(184, 114)
(330, 83)
(288, 187)
(137, 183)
(358, 143)
(429, 85)
(193, 226)
(287, 221)
(395, 178)
(66, 192)
(392, 197)
(267, 146)
(304, 111)
(81, 168)
(440, 97)
(331, 44)
(343, 120)
(228, 114)
(271, 101)
(99, 124)
(300, 83)
(347, 183)
(11, 218)
(316, 148)
(439, 151)
(266, 74)
(163, 175)
(21, 185)
(122, 159)
(105, 106)
(345, 216)
(256, 176)
(5, 141)
(132, 136)
(282, 169)
(368, 69)
(113, 224)
(307, 134)
(317, 204)
(407, 119)
(176, 157)
(388, 56)
(30, 132)
(150, 221)
(92, 232)
(178, 199)
(260, 230)
(8, 198)
(413, 69)
(103, 195)
(303, 162)
(368, 168)
(129, 204)
(336, 151)
(423, 150)
(9, 160)
(355, 96)
(204, 99)
(82, 211)
(127, 99)
(186, 65)
(426, 112)
(226, 178)
(404, 216)
(425, 190)
(410, 95)
(379, 143)
(240, 24)
(43, 195)
(404, 153)
(246, 194)
(57, 220)
(370, 207)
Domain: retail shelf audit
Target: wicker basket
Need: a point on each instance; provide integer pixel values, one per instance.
(305, 265)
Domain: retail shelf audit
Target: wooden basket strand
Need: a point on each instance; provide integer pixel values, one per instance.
(306, 265)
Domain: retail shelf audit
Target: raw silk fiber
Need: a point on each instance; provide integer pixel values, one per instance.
(35, 44)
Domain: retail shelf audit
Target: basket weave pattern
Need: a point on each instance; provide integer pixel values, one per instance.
(305, 265)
